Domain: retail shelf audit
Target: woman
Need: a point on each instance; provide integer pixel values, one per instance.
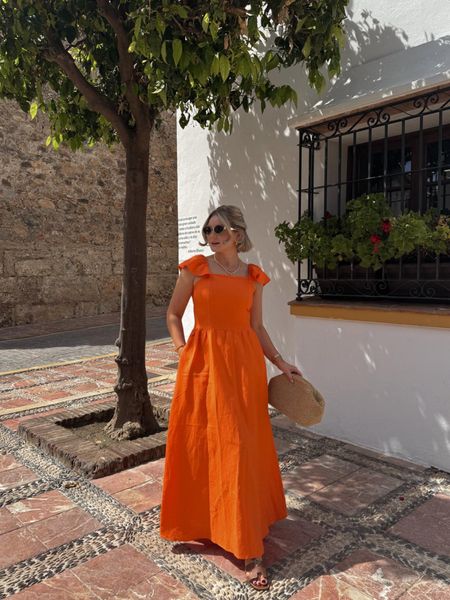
(222, 480)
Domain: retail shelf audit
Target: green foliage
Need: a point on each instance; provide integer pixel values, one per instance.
(368, 233)
(322, 241)
(206, 59)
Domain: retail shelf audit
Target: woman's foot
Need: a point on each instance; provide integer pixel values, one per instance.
(256, 574)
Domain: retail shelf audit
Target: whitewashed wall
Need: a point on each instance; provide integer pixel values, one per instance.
(388, 387)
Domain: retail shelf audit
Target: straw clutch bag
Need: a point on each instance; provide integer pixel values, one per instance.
(300, 401)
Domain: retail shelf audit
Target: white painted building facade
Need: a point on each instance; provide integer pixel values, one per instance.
(387, 385)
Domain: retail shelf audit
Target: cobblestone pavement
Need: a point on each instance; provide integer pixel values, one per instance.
(38, 347)
(361, 525)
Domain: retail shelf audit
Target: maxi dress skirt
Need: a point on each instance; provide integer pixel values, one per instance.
(222, 480)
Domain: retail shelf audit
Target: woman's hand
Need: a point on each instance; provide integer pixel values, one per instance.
(288, 369)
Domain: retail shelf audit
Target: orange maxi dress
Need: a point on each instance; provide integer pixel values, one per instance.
(222, 480)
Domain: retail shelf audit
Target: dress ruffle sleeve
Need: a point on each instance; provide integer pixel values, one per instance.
(197, 265)
(257, 274)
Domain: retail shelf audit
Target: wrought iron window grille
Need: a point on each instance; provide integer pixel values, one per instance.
(401, 149)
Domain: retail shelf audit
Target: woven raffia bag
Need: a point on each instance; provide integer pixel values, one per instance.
(300, 401)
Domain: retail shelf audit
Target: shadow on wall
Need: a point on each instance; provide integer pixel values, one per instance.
(368, 39)
(378, 60)
(391, 398)
(256, 167)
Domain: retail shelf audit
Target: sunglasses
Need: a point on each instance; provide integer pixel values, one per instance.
(217, 229)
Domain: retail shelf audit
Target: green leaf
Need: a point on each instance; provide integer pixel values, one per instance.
(177, 50)
(205, 22)
(160, 24)
(320, 82)
(307, 47)
(33, 109)
(256, 67)
(245, 65)
(181, 11)
(137, 26)
(272, 61)
(162, 94)
(154, 46)
(339, 35)
(252, 25)
(213, 30)
(215, 68)
(224, 66)
(164, 51)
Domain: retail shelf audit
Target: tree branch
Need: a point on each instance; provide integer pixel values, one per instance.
(96, 101)
(79, 42)
(126, 68)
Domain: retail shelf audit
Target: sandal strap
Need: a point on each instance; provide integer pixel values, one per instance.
(254, 562)
(261, 580)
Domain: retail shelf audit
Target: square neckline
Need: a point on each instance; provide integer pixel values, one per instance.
(247, 276)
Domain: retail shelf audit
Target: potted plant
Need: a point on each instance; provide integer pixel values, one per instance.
(370, 242)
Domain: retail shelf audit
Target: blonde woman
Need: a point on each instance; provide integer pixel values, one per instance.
(222, 480)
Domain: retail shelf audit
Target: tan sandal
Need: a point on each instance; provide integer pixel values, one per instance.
(261, 581)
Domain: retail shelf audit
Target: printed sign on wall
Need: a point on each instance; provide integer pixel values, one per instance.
(189, 236)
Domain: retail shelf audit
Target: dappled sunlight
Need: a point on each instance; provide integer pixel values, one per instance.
(369, 360)
(373, 376)
(377, 386)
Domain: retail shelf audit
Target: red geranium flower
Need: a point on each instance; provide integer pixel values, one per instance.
(386, 225)
(375, 239)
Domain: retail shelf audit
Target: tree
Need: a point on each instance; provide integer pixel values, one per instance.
(106, 69)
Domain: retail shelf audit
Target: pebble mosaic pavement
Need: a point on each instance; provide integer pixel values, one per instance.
(361, 525)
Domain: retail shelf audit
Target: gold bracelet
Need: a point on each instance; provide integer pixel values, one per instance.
(274, 357)
(178, 347)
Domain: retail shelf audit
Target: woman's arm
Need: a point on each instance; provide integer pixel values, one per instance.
(177, 305)
(266, 343)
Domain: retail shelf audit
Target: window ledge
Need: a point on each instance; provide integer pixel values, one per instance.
(435, 315)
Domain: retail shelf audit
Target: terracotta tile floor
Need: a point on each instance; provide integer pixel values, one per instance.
(428, 525)
(366, 576)
(64, 527)
(375, 575)
(317, 474)
(19, 544)
(353, 492)
(329, 588)
(361, 525)
(40, 507)
(121, 573)
(141, 497)
(14, 477)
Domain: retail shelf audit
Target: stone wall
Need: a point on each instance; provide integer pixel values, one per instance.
(61, 223)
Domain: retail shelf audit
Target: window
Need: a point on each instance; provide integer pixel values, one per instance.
(405, 184)
(401, 149)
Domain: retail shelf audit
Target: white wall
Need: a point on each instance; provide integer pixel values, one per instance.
(388, 387)
(392, 48)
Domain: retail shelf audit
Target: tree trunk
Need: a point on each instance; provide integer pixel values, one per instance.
(134, 416)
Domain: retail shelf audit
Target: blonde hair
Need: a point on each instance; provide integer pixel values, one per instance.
(232, 217)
